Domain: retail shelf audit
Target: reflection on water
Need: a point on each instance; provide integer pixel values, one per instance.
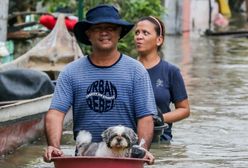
(215, 135)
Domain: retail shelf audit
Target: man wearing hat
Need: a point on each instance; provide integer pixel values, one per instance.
(104, 89)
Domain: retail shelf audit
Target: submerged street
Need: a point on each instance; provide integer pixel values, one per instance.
(215, 135)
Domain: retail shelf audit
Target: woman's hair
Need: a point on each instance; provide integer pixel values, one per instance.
(159, 26)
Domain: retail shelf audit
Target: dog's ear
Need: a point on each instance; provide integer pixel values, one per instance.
(83, 137)
(133, 136)
(106, 135)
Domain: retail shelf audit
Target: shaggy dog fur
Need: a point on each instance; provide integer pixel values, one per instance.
(117, 142)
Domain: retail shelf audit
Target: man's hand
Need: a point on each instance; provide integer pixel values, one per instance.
(149, 157)
(50, 152)
(140, 152)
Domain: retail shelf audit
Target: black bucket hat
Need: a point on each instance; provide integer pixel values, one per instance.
(100, 14)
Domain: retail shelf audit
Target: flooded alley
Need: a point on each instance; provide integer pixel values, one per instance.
(215, 135)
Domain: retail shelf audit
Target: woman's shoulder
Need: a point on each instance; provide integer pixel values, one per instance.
(169, 66)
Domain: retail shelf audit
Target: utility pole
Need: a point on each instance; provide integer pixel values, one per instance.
(4, 7)
(80, 10)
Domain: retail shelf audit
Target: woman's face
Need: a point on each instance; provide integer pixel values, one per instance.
(146, 38)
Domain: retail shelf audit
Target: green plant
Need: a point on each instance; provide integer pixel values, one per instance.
(53, 5)
(130, 10)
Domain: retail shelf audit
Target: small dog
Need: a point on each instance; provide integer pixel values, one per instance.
(117, 142)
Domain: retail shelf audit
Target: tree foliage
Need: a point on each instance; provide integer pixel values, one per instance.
(131, 10)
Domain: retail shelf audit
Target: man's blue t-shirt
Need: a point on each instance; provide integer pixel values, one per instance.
(168, 87)
(104, 96)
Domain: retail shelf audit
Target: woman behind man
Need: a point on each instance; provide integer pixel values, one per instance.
(167, 81)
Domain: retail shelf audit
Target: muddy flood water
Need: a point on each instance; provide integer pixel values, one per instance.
(215, 135)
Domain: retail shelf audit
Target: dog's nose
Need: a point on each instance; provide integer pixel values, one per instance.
(118, 139)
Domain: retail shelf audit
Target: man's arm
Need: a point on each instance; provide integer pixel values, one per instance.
(53, 130)
(145, 130)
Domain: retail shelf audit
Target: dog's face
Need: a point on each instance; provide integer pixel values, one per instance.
(119, 138)
(117, 142)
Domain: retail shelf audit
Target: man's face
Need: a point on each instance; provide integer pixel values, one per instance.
(104, 36)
